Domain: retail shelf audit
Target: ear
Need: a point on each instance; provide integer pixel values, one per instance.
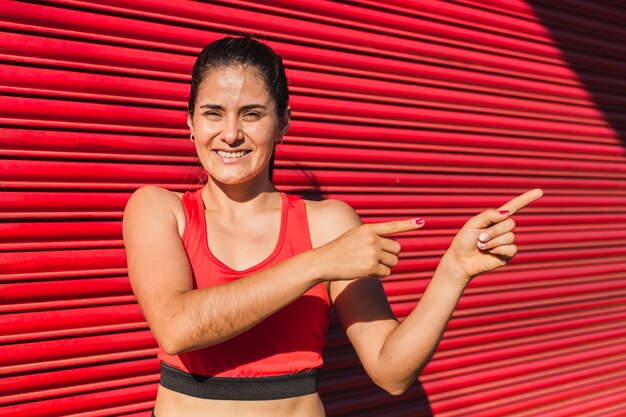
(190, 122)
(284, 123)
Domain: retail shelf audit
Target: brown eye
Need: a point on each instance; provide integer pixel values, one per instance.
(252, 116)
(212, 115)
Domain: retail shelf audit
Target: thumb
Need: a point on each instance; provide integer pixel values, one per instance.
(396, 226)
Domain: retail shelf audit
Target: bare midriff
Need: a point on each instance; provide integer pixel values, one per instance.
(173, 404)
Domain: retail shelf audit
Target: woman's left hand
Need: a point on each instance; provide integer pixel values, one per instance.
(486, 241)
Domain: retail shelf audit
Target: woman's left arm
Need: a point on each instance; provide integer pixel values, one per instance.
(393, 353)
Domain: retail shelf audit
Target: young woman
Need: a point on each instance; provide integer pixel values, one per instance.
(236, 279)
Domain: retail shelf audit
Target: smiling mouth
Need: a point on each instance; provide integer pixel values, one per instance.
(231, 155)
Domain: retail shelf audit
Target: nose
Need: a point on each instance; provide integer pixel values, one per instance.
(230, 130)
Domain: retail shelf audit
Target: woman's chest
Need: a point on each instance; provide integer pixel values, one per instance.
(243, 245)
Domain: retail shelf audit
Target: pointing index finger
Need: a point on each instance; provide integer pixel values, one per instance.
(522, 201)
(396, 226)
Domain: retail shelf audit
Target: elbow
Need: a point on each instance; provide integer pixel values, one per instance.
(169, 345)
(168, 341)
(397, 392)
(175, 343)
(396, 389)
(398, 385)
(170, 349)
(169, 330)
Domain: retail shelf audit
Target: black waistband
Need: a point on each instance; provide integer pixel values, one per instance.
(246, 388)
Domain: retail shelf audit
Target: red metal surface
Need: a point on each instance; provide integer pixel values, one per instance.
(440, 109)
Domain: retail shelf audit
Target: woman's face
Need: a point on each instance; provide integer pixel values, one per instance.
(235, 125)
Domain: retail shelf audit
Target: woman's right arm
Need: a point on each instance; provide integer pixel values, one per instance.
(182, 318)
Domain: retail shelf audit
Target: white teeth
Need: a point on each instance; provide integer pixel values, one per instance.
(225, 154)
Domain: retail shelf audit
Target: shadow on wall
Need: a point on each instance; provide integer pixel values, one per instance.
(590, 37)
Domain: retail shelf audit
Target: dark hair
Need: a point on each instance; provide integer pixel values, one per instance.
(247, 52)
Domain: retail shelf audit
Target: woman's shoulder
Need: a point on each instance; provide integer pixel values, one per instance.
(155, 194)
(329, 206)
(328, 219)
(151, 198)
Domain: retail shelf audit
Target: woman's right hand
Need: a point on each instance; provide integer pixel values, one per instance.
(363, 251)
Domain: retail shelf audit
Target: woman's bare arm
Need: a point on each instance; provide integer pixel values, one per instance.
(394, 354)
(182, 318)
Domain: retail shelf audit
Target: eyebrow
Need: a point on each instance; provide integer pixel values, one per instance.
(243, 108)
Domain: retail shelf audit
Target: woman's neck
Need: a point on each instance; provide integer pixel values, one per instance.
(238, 201)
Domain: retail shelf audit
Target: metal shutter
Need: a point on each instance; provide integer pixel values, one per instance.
(401, 108)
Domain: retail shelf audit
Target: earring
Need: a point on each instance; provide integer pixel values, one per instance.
(191, 138)
(282, 139)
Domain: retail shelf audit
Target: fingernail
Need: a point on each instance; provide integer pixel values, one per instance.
(481, 245)
(419, 221)
(483, 236)
(504, 212)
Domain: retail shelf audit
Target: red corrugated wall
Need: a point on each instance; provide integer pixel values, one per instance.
(401, 108)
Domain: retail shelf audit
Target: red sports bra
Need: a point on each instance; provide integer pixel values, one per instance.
(283, 348)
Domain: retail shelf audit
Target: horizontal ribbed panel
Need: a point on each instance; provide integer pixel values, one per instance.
(400, 108)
